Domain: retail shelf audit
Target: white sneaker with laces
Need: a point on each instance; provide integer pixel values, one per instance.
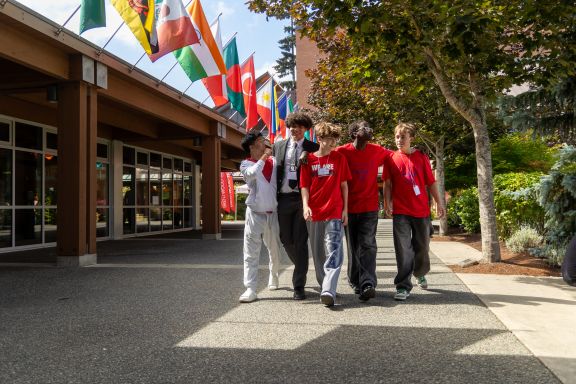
(273, 283)
(248, 296)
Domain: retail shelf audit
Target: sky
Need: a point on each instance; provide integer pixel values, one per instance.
(255, 35)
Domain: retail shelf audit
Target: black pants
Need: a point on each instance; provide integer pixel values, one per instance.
(569, 263)
(411, 244)
(361, 237)
(294, 235)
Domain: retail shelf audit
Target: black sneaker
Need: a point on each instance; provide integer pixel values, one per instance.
(299, 294)
(357, 290)
(367, 293)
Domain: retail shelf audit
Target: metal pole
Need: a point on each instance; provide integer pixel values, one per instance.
(111, 37)
(59, 30)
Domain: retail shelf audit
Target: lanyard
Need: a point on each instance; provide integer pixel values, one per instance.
(410, 171)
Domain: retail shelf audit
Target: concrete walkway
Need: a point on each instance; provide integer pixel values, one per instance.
(165, 310)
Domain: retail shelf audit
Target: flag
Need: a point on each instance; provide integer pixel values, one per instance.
(224, 192)
(234, 77)
(249, 92)
(231, 192)
(216, 85)
(140, 20)
(203, 59)
(92, 15)
(173, 27)
(311, 135)
(264, 100)
(275, 118)
(285, 107)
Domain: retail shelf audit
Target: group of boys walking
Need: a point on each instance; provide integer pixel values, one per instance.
(300, 190)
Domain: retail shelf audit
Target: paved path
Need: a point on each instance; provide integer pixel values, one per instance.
(166, 311)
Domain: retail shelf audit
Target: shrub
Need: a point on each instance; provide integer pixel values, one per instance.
(516, 202)
(523, 239)
(468, 209)
(558, 198)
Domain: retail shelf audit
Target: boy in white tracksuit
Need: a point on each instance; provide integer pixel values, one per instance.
(259, 172)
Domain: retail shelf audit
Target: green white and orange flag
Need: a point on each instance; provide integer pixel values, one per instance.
(92, 15)
(139, 17)
(203, 59)
(216, 85)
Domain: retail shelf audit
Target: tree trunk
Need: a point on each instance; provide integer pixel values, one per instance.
(440, 180)
(490, 244)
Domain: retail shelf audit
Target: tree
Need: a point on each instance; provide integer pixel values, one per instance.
(473, 50)
(286, 65)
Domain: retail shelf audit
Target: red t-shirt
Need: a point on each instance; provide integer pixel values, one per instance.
(406, 171)
(363, 164)
(323, 176)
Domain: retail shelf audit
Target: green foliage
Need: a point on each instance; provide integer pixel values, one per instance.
(521, 153)
(523, 239)
(286, 65)
(461, 171)
(468, 209)
(558, 198)
(516, 200)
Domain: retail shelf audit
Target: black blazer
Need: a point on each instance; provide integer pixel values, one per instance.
(279, 152)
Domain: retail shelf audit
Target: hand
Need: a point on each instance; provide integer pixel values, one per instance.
(344, 218)
(440, 211)
(388, 210)
(303, 158)
(307, 214)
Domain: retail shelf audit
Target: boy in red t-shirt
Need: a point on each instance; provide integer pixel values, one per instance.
(407, 175)
(324, 188)
(364, 159)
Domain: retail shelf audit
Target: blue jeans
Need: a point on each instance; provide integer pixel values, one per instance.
(327, 252)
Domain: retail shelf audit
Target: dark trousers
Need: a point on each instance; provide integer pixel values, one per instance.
(361, 237)
(294, 235)
(411, 243)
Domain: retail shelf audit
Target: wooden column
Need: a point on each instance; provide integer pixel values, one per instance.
(91, 143)
(211, 226)
(72, 184)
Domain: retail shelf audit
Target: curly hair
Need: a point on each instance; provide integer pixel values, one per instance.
(299, 118)
(355, 126)
(324, 129)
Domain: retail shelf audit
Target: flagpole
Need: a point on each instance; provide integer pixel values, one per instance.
(232, 115)
(170, 70)
(188, 87)
(229, 40)
(110, 39)
(61, 28)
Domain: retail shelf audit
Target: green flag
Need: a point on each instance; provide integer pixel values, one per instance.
(92, 15)
(234, 77)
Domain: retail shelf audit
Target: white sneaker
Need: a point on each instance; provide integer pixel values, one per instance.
(248, 296)
(273, 283)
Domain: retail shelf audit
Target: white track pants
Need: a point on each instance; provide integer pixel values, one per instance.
(258, 227)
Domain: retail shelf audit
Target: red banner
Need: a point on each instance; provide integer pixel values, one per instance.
(231, 193)
(224, 192)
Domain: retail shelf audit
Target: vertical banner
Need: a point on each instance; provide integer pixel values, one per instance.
(231, 192)
(224, 192)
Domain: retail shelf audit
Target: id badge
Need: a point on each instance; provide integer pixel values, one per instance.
(323, 172)
(292, 168)
(416, 190)
(292, 175)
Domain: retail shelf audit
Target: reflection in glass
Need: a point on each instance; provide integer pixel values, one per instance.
(128, 220)
(178, 190)
(4, 131)
(128, 186)
(141, 220)
(187, 190)
(178, 217)
(51, 175)
(154, 187)
(155, 160)
(167, 189)
(5, 228)
(51, 140)
(155, 219)
(28, 228)
(167, 218)
(50, 225)
(141, 186)
(188, 217)
(5, 177)
(102, 222)
(29, 175)
(28, 136)
(128, 155)
(101, 184)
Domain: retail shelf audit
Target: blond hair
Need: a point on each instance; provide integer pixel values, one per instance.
(408, 128)
(325, 129)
